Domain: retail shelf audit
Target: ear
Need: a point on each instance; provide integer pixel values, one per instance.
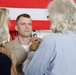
(16, 28)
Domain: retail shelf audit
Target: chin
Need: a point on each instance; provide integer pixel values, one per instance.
(26, 35)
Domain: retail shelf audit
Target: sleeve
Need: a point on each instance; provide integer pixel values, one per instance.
(27, 61)
(43, 56)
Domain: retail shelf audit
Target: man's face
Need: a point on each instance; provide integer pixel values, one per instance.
(24, 26)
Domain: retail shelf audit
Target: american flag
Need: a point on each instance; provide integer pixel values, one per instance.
(37, 9)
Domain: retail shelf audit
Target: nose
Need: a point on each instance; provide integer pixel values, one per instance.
(27, 26)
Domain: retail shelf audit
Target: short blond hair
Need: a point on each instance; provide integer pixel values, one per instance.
(62, 15)
(4, 21)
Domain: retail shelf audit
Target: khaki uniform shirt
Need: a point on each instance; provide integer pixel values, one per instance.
(20, 53)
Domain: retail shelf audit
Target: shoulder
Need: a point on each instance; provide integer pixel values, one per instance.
(10, 44)
(54, 36)
(50, 37)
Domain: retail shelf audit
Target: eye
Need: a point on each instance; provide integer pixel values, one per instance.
(30, 24)
(23, 23)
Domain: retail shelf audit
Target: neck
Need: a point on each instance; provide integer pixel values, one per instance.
(24, 40)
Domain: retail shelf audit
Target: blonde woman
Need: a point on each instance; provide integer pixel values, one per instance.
(7, 59)
(4, 21)
(56, 54)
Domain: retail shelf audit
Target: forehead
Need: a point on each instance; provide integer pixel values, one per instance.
(24, 19)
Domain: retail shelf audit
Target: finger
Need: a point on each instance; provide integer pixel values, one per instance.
(36, 39)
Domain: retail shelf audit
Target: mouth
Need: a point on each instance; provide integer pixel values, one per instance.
(27, 31)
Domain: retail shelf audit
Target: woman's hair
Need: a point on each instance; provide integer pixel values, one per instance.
(4, 21)
(62, 15)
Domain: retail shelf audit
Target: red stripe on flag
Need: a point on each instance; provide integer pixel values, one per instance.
(37, 25)
(41, 25)
(24, 3)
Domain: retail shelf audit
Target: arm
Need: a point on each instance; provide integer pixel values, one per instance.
(43, 56)
(27, 61)
(13, 60)
(13, 67)
(13, 70)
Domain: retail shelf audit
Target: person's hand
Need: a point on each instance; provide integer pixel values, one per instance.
(36, 40)
(35, 43)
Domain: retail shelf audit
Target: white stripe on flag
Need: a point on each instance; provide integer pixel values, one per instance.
(36, 14)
